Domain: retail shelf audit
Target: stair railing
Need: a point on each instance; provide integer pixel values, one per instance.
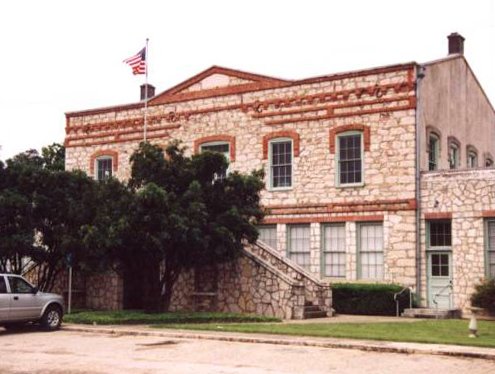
(396, 299)
(440, 293)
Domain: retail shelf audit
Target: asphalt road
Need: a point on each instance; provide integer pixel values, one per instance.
(68, 352)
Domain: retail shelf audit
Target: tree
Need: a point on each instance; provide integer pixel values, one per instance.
(183, 217)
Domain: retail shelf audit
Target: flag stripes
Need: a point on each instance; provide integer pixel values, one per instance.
(137, 62)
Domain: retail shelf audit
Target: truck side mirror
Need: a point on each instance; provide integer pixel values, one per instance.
(35, 290)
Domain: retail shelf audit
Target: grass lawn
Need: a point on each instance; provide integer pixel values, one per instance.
(133, 317)
(434, 331)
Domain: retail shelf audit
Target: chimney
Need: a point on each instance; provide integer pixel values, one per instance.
(456, 43)
(151, 91)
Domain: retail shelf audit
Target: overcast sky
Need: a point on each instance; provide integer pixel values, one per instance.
(61, 56)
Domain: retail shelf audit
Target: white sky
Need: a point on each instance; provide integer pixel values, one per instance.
(60, 56)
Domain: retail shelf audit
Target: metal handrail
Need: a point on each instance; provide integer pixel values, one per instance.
(397, 306)
(435, 301)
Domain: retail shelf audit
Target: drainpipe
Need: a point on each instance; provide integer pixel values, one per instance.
(419, 76)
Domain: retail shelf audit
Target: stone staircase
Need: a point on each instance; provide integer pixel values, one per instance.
(311, 297)
(432, 313)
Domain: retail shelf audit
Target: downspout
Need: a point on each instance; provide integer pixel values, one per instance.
(419, 76)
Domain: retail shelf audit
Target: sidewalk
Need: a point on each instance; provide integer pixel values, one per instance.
(365, 345)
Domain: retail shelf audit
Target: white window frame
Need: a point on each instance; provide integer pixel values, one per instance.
(268, 242)
(97, 167)
(435, 147)
(294, 255)
(377, 253)
(327, 249)
(226, 155)
(337, 159)
(270, 163)
(489, 253)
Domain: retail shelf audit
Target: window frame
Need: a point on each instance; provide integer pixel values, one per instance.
(339, 135)
(429, 247)
(325, 252)
(97, 167)
(21, 280)
(488, 158)
(270, 163)
(435, 163)
(454, 159)
(225, 154)
(269, 226)
(359, 240)
(289, 252)
(487, 251)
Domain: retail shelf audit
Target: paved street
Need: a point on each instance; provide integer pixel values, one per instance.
(72, 352)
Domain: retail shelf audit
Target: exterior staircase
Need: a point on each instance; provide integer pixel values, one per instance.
(311, 298)
(432, 313)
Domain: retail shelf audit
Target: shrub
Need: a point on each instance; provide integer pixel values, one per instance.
(368, 299)
(484, 295)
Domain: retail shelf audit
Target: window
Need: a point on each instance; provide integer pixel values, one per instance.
(350, 158)
(103, 168)
(472, 159)
(19, 285)
(298, 244)
(281, 163)
(440, 264)
(490, 249)
(334, 251)
(370, 251)
(488, 160)
(454, 153)
(218, 147)
(440, 234)
(268, 235)
(3, 285)
(433, 151)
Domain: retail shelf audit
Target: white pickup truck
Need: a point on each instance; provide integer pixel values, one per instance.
(21, 302)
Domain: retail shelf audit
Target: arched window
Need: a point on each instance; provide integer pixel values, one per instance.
(218, 147)
(454, 152)
(104, 164)
(488, 158)
(280, 148)
(471, 156)
(349, 158)
(434, 151)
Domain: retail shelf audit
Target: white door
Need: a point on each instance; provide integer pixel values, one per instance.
(439, 280)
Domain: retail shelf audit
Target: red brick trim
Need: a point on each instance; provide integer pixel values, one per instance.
(488, 214)
(352, 127)
(104, 152)
(217, 138)
(281, 134)
(352, 218)
(438, 215)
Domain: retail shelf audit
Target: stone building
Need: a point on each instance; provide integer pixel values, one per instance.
(378, 175)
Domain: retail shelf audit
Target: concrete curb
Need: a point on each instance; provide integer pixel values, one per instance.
(364, 345)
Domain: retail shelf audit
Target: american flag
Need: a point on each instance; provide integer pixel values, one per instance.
(137, 62)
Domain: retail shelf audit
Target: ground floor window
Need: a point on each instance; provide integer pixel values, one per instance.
(298, 244)
(490, 249)
(370, 251)
(333, 250)
(268, 235)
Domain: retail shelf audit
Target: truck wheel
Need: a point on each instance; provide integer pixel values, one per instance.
(52, 318)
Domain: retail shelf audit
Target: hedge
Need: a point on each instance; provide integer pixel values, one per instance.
(484, 295)
(368, 299)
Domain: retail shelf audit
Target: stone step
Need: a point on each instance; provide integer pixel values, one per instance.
(315, 314)
(431, 313)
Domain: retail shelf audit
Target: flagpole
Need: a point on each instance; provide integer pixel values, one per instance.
(146, 91)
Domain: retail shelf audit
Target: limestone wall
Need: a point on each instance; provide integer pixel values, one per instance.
(468, 197)
(104, 291)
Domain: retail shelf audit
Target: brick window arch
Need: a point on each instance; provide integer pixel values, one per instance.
(217, 138)
(352, 127)
(114, 155)
(281, 134)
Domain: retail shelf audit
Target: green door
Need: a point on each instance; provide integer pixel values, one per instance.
(440, 280)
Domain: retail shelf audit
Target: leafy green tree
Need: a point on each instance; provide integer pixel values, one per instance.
(183, 217)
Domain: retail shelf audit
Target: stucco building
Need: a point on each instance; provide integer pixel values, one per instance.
(378, 175)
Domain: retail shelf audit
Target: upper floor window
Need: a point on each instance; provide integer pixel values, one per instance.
(350, 158)
(218, 147)
(281, 163)
(454, 153)
(433, 151)
(472, 157)
(488, 160)
(104, 167)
